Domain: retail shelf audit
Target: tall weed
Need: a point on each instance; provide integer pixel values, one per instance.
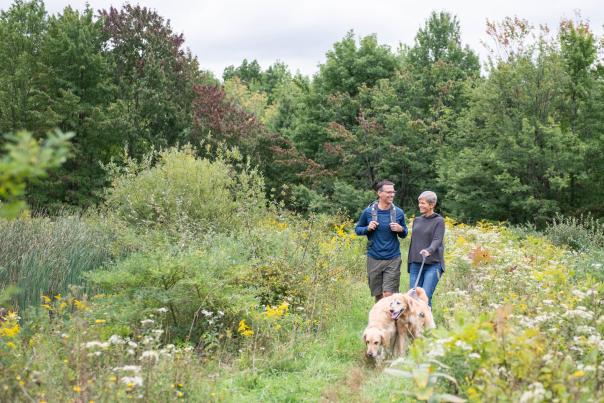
(44, 255)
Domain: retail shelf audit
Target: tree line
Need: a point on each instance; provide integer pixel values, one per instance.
(519, 138)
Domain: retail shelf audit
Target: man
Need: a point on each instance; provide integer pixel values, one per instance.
(383, 223)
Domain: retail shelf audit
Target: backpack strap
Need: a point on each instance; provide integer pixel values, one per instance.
(374, 216)
(374, 212)
(392, 213)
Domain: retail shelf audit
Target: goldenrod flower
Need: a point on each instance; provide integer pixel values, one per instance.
(11, 331)
(244, 329)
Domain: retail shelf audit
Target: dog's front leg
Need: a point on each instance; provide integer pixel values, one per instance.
(401, 340)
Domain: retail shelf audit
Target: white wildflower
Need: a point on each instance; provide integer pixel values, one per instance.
(147, 322)
(162, 310)
(474, 356)
(206, 313)
(582, 329)
(463, 345)
(580, 312)
(96, 344)
(132, 344)
(147, 340)
(536, 393)
(132, 381)
(115, 339)
(150, 356)
(437, 351)
(128, 368)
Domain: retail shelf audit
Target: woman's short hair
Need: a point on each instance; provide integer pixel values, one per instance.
(429, 196)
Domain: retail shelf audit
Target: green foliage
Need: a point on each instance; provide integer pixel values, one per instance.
(578, 233)
(183, 194)
(45, 256)
(26, 159)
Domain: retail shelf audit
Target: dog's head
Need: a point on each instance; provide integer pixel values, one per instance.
(425, 318)
(374, 340)
(400, 305)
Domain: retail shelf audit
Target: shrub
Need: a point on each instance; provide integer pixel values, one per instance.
(185, 283)
(184, 194)
(578, 233)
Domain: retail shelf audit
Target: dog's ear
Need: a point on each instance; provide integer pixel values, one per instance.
(383, 339)
(411, 304)
(421, 294)
(365, 336)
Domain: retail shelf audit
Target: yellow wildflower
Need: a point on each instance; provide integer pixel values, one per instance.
(10, 344)
(11, 331)
(578, 374)
(46, 299)
(46, 306)
(77, 389)
(244, 329)
(100, 321)
(277, 311)
(79, 305)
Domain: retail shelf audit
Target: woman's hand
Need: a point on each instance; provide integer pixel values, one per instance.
(424, 253)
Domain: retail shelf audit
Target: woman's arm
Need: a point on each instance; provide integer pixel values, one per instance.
(439, 235)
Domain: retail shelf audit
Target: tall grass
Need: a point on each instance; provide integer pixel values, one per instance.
(45, 256)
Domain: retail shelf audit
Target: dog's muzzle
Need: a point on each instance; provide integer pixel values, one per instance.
(395, 314)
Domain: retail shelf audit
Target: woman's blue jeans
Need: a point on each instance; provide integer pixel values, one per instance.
(429, 278)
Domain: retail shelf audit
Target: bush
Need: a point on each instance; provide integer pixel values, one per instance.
(184, 194)
(185, 283)
(44, 256)
(578, 233)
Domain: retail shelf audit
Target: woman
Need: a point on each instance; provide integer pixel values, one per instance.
(426, 243)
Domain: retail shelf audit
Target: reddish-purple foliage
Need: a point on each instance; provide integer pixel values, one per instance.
(138, 34)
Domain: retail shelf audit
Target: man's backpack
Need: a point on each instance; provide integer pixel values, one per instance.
(374, 212)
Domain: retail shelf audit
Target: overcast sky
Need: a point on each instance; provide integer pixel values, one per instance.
(224, 32)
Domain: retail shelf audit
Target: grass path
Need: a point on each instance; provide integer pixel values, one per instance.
(328, 367)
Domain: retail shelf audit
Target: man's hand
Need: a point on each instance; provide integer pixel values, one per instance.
(424, 253)
(396, 227)
(372, 225)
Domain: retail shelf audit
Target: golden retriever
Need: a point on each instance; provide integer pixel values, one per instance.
(411, 316)
(380, 333)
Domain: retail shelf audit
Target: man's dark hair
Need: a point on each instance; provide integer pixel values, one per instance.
(380, 185)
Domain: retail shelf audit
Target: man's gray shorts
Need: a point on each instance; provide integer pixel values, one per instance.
(383, 275)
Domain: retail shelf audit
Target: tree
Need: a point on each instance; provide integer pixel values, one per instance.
(154, 76)
(512, 158)
(23, 99)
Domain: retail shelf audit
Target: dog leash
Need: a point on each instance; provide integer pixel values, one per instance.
(420, 272)
(413, 293)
